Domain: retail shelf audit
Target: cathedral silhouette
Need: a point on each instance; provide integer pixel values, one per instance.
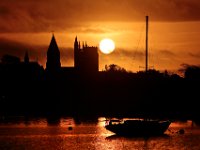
(86, 59)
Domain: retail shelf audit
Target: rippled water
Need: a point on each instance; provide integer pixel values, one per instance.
(38, 134)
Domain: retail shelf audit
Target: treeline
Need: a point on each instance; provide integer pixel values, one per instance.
(112, 92)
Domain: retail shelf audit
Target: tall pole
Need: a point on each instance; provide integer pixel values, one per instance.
(146, 66)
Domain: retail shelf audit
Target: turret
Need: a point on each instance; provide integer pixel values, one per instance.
(76, 43)
(76, 52)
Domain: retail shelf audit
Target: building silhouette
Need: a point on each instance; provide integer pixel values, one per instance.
(12, 68)
(10, 59)
(86, 59)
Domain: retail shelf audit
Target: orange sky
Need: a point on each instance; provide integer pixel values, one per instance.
(174, 32)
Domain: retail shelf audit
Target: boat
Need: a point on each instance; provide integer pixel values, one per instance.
(144, 126)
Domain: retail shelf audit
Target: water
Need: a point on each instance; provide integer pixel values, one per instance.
(38, 134)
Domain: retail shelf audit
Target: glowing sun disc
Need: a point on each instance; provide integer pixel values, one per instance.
(107, 46)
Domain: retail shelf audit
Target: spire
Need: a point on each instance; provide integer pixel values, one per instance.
(76, 52)
(76, 44)
(26, 58)
(53, 55)
(79, 45)
(53, 45)
(83, 45)
(76, 39)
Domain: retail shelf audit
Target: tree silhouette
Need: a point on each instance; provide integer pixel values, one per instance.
(191, 71)
(114, 68)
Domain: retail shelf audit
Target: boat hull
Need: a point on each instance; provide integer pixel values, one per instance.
(139, 127)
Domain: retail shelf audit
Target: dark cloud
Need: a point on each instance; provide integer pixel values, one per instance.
(93, 30)
(166, 53)
(12, 47)
(195, 55)
(4, 10)
(125, 56)
(58, 15)
(169, 10)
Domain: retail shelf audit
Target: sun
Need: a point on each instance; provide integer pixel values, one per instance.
(107, 46)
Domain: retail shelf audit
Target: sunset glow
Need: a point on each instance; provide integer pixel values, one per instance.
(99, 74)
(173, 30)
(107, 46)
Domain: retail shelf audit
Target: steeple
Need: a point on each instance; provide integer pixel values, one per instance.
(53, 56)
(76, 52)
(53, 45)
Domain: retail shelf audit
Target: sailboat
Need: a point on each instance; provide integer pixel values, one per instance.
(138, 126)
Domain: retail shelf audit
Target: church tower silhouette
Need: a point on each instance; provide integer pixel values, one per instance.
(53, 64)
(86, 59)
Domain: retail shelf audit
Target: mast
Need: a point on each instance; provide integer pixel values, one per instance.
(146, 60)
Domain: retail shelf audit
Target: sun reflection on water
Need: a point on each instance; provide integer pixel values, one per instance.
(37, 133)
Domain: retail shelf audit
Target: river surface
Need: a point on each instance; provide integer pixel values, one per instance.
(68, 134)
